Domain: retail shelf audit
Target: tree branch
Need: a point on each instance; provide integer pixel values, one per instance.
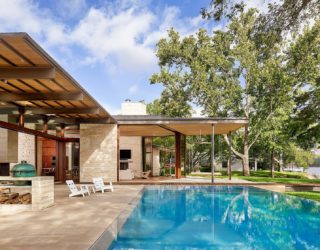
(277, 160)
(232, 148)
(259, 133)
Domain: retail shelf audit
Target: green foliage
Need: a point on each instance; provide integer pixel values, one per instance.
(281, 16)
(303, 67)
(248, 70)
(154, 108)
(227, 74)
(264, 173)
(302, 158)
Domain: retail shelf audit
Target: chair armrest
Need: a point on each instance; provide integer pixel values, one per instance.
(85, 188)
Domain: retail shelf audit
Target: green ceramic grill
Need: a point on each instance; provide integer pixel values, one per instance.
(23, 169)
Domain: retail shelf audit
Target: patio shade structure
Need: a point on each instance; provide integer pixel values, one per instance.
(36, 89)
(132, 125)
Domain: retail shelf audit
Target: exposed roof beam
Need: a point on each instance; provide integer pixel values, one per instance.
(95, 120)
(17, 128)
(168, 128)
(62, 96)
(52, 120)
(27, 72)
(48, 111)
(50, 127)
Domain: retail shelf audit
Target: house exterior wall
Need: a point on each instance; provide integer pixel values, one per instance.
(9, 146)
(98, 151)
(134, 143)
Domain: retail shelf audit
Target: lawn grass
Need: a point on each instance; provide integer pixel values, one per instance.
(265, 176)
(312, 195)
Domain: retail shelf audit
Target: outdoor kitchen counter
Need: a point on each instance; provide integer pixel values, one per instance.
(42, 190)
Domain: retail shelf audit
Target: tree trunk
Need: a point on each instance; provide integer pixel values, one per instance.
(245, 159)
(272, 163)
(245, 156)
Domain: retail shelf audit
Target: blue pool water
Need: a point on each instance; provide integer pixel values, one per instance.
(220, 217)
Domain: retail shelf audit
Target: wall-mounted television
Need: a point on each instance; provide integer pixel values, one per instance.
(125, 154)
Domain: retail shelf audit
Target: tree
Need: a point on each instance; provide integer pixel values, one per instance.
(302, 158)
(227, 74)
(304, 68)
(281, 16)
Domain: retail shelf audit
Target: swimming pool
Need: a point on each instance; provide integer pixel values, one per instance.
(219, 217)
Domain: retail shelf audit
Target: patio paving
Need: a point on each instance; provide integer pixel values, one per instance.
(73, 223)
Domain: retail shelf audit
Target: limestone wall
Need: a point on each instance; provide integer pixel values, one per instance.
(156, 162)
(98, 151)
(26, 148)
(8, 145)
(134, 143)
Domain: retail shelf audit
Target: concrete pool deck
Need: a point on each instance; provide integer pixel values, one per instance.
(73, 223)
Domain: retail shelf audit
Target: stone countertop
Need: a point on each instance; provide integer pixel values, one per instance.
(35, 178)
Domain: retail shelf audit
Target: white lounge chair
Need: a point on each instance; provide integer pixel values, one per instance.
(145, 175)
(75, 191)
(99, 185)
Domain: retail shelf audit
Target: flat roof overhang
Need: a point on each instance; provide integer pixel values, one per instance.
(165, 126)
(32, 80)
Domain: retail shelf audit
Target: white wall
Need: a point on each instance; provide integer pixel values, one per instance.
(134, 143)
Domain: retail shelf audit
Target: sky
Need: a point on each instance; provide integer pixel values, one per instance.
(107, 46)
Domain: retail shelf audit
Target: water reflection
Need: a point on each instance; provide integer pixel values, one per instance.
(220, 217)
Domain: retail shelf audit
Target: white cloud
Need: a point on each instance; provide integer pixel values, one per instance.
(70, 8)
(115, 37)
(25, 16)
(120, 35)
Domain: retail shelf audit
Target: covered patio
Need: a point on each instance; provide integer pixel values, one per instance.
(158, 126)
(41, 109)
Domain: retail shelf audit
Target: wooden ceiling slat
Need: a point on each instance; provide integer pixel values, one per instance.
(19, 50)
(39, 104)
(4, 62)
(8, 88)
(64, 82)
(37, 85)
(66, 104)
(77, 104)
(60, 104)
(19, 44)
(72, 104)
(60, 85)
(17, 89)
(53, 86)
(29, 85)
(51, 104)
(14, 57)
(23, 86)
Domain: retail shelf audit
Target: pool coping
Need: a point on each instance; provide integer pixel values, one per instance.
(110, 233)
(219, 183)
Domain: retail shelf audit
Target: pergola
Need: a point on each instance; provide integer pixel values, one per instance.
(150, 126)
(38, 96)
(35, 89)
